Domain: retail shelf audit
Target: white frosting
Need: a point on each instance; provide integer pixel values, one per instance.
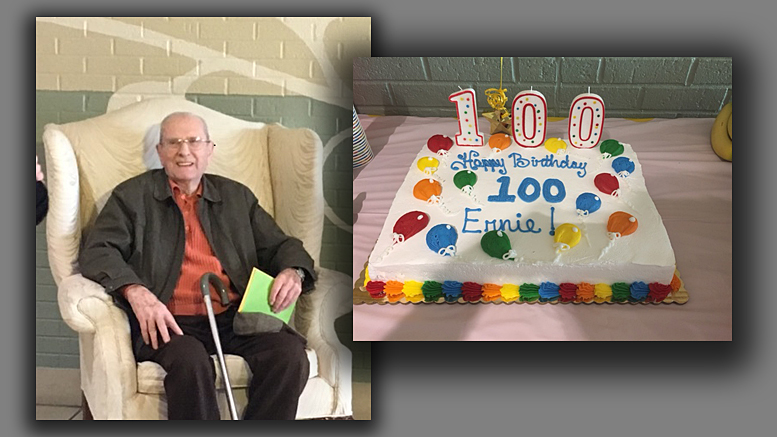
(645, 255)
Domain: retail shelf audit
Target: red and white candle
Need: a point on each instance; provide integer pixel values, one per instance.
(586, 121)
(467, 113)
(530, 117)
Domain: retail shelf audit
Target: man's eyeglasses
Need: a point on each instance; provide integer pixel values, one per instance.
(195, 143)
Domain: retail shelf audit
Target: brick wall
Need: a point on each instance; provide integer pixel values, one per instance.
(257, 69)
(630, 87)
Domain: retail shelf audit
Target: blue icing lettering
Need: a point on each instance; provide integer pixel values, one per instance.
(503, 224)
(491, 224)
(464, 229)
(549, 160)
(502, 196)
(471, 160)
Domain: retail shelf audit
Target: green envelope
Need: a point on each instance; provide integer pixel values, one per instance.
(256, 298)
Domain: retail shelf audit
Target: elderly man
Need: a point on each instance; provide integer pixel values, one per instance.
(158, 233)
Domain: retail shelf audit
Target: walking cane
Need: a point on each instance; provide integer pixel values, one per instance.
(205, 288)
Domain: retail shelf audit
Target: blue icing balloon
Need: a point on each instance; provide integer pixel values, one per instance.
(442, 239)
(623, 166)
(588, 203)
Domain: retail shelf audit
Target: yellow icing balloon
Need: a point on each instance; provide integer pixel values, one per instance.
(366, 276)
(555, 144)
(567, 236)
(428, 163)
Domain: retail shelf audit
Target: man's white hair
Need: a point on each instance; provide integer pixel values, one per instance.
(181, 115)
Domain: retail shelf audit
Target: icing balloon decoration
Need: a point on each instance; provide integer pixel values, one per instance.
(566, 237)
(556, 145)
(499, 142)
(442, 239)
(623, 166)
(439, 144)
(405, 227)
(428, 165)
(587, 203)
(610, 148)
(430, 191)
(497, 244)
(607, 184)
(621, 224)
(465, 181)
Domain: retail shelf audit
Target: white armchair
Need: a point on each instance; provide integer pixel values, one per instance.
(87, 159)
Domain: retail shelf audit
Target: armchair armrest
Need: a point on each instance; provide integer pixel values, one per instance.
(108, 367)
(315, 318)
(84, 304)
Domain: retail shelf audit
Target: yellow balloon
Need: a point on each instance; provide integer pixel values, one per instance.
(567, 236)
(366, 276)
(428, 163)
(555, 144)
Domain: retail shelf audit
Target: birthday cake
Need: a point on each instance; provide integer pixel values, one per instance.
(524, 218)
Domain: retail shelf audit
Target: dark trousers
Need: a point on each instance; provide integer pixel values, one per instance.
(278, 361)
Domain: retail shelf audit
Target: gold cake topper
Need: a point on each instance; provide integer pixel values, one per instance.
(496, 97)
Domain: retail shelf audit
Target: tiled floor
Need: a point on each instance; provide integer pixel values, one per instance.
(65, 405)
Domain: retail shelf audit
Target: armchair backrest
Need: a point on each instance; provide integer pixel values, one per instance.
(87, 159)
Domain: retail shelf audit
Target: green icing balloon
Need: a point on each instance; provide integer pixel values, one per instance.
(496, 244)
(464, 178)
(613, 147)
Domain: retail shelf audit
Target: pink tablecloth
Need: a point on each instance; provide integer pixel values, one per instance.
(689, 184)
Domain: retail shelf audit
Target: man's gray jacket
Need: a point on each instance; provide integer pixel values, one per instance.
(138, 237)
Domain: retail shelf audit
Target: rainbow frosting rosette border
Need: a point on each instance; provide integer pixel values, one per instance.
(452, 292)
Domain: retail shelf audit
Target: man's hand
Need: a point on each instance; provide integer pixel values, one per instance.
(285, 290)
(152, 315)
(38, 171)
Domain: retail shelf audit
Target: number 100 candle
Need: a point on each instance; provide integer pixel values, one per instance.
(586, 120)
(467, 113)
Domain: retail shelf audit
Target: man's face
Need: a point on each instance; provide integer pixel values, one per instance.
(184, 161)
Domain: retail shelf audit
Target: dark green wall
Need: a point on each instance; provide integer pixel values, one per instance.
(631, 87)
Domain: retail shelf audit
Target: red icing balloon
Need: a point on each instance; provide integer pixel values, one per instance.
(606, 183)
(411, 223)
(439, 142)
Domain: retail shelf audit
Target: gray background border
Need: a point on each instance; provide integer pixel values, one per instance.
(714, 389)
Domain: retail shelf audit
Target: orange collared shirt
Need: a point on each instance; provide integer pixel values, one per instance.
(198, 259)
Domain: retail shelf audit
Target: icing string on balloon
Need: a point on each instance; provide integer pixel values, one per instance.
(469, 190)
(449, 251)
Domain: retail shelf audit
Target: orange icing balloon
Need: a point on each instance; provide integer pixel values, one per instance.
(426, 188)
(499, 141)
(622, 223)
